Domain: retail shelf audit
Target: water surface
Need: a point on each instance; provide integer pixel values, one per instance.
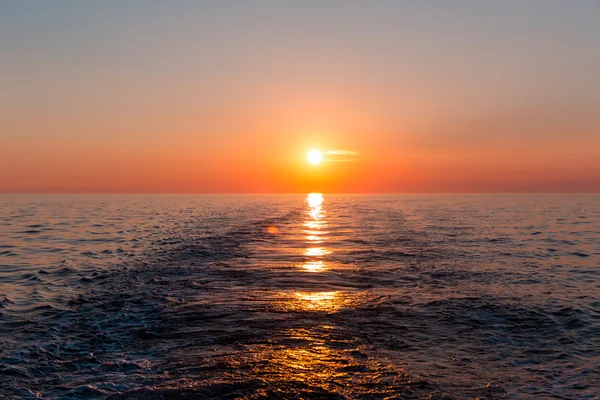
(300, 296)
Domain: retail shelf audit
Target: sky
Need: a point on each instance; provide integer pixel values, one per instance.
(229, 96)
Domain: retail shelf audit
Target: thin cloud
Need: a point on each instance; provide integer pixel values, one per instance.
(340, 155)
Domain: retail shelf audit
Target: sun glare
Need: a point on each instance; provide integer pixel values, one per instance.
(314, 157)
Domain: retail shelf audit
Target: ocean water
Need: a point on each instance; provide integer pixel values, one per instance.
(300, 296)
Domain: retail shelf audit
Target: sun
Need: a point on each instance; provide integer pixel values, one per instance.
(314, 157)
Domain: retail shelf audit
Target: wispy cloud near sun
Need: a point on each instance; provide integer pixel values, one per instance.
(340, 155)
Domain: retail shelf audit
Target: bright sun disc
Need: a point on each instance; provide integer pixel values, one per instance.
(315, 156)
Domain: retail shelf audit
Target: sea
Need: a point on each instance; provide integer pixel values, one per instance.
(305, 296)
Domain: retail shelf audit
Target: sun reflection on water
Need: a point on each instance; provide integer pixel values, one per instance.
(319, 362)
(317, 301)
(315, 200)
(314, 239)
(314, 266)
(316, 251)
(312, 225)
(315, 222)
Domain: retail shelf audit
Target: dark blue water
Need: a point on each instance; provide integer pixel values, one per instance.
(433, 297)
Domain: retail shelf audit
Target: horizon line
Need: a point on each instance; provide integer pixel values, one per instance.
(298, 193)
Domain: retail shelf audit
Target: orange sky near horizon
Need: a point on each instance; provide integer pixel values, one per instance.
(132, 99)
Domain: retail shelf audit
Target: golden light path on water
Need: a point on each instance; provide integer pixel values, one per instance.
(316, 252)
(314, 266)
(315, 224)
(329, 301)
(317, 354)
